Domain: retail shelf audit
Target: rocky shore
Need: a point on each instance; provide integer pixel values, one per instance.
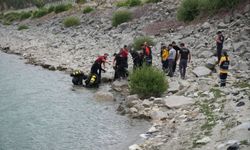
(194, 113)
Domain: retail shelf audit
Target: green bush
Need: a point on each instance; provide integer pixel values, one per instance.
(25, 15)
(71, 21)
(62, 7)
(51, 9)
(140, 40)
(22, 27)
(128, 3)
(147, 81)
(190, 9)
(120, 17)
(40, 12)
(80, 1)
(39, 3)
(12, 16)
(87, 9)
(152, 1)
(123, 3)
(133, 3)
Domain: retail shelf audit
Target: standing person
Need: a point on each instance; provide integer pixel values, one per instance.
(164, 58)
(224, 66)
(177, 49)
(171, 59)
(185, 57)
(219, 44)
(147, 54)
(124, 54)
(97, 66)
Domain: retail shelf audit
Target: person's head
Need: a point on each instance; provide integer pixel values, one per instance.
(225, 53)
(170, 46)
(219, 33)
(182, 45)
(164, 47)
(145, 43)
(174, 43)
(106, 55)
(125, 46)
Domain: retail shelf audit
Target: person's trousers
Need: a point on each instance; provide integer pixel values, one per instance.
(183, 66)
(223, 78)
(170, 67)
(219, 50)
(165, 65)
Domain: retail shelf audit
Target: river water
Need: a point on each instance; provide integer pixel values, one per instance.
(40, 111)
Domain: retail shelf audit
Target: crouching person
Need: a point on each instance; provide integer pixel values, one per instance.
(224, 66)
(92, 81)
(78, 76)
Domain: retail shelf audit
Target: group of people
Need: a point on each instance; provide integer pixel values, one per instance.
(170, 56)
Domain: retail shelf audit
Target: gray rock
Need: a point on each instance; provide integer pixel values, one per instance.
(205, 54)
(201, 71)
(206, 25)
(222, 25)
(120, 85)
(104, 96)
(178, 101)
(203, 140)
(146, 103)
(135, 147)
(158, 115)
(174, 87)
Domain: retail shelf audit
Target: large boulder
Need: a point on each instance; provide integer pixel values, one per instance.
(103, 95)
(121, 85)
(174, 86)
(178, 101)
(211, 63)
(201, 71)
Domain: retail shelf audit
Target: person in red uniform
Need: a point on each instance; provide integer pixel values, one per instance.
(97, 66)
(124, 54)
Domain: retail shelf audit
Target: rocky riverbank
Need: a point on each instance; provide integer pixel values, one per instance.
(193, 113)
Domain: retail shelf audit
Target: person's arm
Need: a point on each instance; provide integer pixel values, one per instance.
(217, 39)
(189, 57)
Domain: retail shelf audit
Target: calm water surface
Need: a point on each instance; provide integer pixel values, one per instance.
(40, 111)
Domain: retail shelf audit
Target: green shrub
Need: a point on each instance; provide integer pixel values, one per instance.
(51, 9)
(87, 9)
(123, 3)
(62, 7)
(152, 1)
(80, 1)
(128, 3)
(40, 12)
(120, 17)
(133, 3)
(71, 21)
(22, 27)
(25, 15)
(188, 10)
(39, 3)
(12, 16)
(147, 81)
(140, 40)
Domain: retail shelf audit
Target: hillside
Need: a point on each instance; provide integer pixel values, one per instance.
(215, 120)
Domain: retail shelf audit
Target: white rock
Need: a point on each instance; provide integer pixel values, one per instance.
(174, 87)
(201, 71)
(119, 85)
(178, 101)
(135, 147)
(206, 25)
(204, 140)
(103, 95)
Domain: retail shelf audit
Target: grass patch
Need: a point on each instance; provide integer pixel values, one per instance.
(120, 17)
(242, 85)
(87, 9)
(128, 3)
(62, 8)
(25, 15)
(216, 92)
(39, 3)
(12, 16)
(40, 13)
(140, 40)
(147, 81)
(51, 9)
(152, 1)
(71, 21)
(244, 142)
(22, 27)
